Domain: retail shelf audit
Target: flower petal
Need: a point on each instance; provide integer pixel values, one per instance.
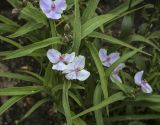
(60, 4)
(71, 76)
(146, 88)
(53, 55)
(118, 68)
(79, 62)
(106, 63)
(59, 66)
(115, 78)
(53, 15)
(138, 78)
(114, 57)
(83, 75)
(102, 55)
(45, 5)
(68, 58)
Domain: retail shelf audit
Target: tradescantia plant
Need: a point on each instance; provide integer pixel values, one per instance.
(71, 42)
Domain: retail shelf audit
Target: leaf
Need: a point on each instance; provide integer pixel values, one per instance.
(90, 10)
(33, 47)
(30, 26)
(33, 14)
(8, 21)
(33, 108)
(75, 98)
(114, 98)
(14, 43)
(113, 40)
(97, 98)
(27, 90)
(96, 22)
(65, 102)
(126, 26)
(154, 35)
(14, 3)
(9, 103)
(133, 117)
(77, 28)
(19, 77)
(140, 38)
(5, 28)
(148, 97)
(100, 68)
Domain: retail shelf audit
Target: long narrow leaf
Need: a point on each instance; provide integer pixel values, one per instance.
(9, 103)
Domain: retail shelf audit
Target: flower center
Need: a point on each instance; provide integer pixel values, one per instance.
(77, 69)
(144, 82)
(53, 6)
(61, 58)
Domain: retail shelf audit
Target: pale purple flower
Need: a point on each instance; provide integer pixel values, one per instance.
(53, 9)
(115, 74)
(59, 60)
(138, 78)
(75, 70)
(108, 60)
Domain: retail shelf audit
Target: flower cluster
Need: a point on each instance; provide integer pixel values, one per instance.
(108, 60)
(53, 9)
(69, 64)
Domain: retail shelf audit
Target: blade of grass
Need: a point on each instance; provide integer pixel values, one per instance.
(97, 98)
(114, 98)
(27, 90)
(9, 103)
(77, 28)
(19, 77)
(65, 102)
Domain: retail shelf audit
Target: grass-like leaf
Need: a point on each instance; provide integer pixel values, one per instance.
(65, 102)
(33, 47)
(27, 90)
(77, 28)
(9, 103)
(116, 97)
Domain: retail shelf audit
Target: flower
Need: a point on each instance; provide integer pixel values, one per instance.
(114, 76)
(142, 83)
(75, 70)
(53, 9)
(108, 60)
(59, 60)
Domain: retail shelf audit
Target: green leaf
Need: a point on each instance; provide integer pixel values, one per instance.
(33, 47)
(14, 43)
(113, 40)
(148, 97)
(77, 28)
(100, 68)
(27, 90)
(90, 10)
(9, 103)
(134, 117)
(19, 77)
(33, 14)
(114, 98)
(65, 102)
(96, 22)
(97, 98)
(14, 3)
(154, 35)
(140, 38)
(5, 28)
(8, 21)
(126, 26)
(30, 26)
(75, 98)
(33, 108)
